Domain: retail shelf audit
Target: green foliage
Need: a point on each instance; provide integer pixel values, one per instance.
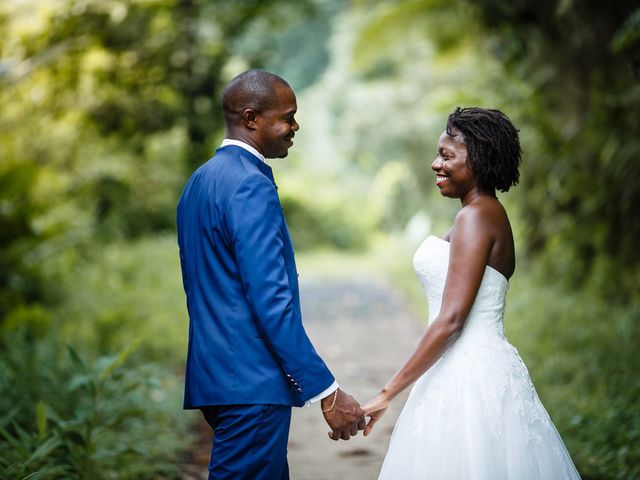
(128, 292)
(582, 354)
(114, 417)
(300, 51)
(324, 222)
(567, 74)
(107, 106)
(580, 174)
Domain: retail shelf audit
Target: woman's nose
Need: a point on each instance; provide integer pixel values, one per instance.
(436, 165)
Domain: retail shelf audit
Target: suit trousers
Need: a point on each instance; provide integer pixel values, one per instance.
(249, 441)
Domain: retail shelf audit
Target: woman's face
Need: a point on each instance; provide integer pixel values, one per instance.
(454, 176)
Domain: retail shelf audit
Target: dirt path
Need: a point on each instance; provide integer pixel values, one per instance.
(364, 331)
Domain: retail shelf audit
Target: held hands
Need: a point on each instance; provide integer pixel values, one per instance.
(374, 409)
(343, 414)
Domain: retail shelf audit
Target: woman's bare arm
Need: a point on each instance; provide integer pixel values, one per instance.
(470, 246)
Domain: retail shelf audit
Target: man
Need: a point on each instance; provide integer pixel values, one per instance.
(249, 359)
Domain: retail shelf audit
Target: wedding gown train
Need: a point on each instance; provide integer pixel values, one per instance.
(475, 414)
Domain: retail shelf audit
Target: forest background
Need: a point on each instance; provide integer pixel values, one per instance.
(107, 106)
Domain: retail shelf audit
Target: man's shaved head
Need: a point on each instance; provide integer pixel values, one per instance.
(253, 89)
(259, 109)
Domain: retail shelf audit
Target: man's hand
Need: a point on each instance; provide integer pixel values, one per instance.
(345, 418)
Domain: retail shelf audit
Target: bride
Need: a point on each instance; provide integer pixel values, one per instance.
(473, 412)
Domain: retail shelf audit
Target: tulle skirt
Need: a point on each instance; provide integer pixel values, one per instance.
(475, 415)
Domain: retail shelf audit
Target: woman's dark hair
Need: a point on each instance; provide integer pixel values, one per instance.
(493, 146)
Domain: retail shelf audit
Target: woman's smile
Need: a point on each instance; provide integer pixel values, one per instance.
(440, 179)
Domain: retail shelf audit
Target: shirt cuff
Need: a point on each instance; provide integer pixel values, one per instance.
(334, 386)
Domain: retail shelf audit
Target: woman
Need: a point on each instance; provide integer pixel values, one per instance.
(473, 412)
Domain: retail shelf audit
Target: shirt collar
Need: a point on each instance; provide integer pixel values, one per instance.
(246, 146)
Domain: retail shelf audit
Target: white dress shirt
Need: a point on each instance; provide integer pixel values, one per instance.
(246, 146)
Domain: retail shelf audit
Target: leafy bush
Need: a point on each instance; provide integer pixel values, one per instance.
(70, 418)
(128, 291)
(316, 224)
(582, 353)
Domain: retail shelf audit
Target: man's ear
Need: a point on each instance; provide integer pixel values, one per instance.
(249, 118)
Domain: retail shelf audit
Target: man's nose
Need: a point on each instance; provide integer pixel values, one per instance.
(436, 164)
(295, 127)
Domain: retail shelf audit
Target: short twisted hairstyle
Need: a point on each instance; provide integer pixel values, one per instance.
(493, 146)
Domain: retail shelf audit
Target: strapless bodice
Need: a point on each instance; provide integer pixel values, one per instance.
(431, 262)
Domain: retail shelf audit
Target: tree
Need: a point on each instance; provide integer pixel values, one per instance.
(107, 106)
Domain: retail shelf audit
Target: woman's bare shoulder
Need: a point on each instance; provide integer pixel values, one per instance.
(481, 211)
(486, 218)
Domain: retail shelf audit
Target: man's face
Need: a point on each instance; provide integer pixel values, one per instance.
(276, 127)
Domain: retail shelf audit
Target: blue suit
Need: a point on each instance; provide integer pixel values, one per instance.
(247, 345)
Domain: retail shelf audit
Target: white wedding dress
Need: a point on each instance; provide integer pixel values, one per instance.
(475, 414)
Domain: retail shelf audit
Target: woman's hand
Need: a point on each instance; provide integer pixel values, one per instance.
(374, 409)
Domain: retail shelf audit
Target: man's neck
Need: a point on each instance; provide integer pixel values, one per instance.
(242, 136)
(243, 144)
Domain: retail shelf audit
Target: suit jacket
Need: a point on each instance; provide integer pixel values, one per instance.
(247, 344)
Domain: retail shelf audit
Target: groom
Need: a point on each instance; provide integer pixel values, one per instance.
(249, 359)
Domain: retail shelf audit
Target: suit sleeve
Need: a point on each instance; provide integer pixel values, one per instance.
(255, 221)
